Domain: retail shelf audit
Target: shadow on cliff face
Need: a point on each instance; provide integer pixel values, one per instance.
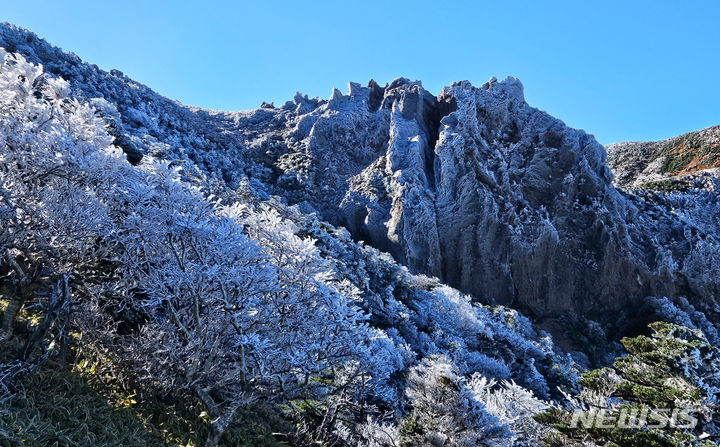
(436, 108)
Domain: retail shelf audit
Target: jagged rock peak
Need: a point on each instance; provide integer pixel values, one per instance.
(510, 87)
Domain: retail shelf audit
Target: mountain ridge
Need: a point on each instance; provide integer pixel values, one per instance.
(497, 198)
(643, 163)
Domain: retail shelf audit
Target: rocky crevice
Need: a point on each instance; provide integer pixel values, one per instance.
(435, 109)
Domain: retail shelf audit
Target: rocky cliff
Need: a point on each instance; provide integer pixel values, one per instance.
(490, 195)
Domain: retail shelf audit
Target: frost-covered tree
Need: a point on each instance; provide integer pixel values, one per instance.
(230, 320)
(218, 315)
(444, 410)
(336, 352)
(512, 405)
(201, 283)
(52, 173)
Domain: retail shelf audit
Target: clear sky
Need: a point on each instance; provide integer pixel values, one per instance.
(622, 70)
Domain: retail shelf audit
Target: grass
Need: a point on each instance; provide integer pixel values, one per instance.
(53, 408)
(57, 407)
(82, 405)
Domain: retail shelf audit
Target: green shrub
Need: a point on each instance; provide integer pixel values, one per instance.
(670, 369)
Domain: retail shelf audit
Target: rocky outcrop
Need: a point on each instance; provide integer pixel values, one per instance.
(495, 197)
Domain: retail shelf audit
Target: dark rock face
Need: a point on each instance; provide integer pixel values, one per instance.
(490, 195)
(473, 186)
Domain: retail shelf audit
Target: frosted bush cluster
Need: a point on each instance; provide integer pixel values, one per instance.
(222, 300)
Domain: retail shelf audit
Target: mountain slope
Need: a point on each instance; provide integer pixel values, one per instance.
(473, 186)
(640, 163)
(299, 254)
(176, 287)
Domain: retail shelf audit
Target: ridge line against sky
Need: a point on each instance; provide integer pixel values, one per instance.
(637, 71)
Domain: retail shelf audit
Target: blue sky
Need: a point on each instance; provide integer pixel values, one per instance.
(622, 70)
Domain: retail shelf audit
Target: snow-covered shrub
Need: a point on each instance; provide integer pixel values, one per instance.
(512, 405)
(223, 300)
(221, 318)
(56, 163)
(445, 408)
